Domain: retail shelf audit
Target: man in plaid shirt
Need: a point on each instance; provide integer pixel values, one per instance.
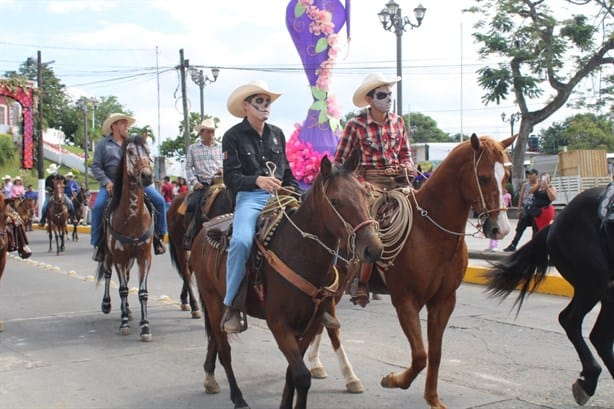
(381, 137)
(203, 162)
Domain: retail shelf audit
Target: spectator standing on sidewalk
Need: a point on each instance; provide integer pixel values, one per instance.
(525, 198)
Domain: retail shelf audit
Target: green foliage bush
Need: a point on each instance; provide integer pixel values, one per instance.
(7, 149)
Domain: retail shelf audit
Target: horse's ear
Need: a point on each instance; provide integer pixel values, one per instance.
(353, 161)
(509, 141)
(475, 142)
(325, 167)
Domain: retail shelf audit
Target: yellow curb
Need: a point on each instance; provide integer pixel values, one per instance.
(552, 284)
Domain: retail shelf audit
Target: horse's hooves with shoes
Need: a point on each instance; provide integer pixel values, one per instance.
(211, 385)
(579, 394)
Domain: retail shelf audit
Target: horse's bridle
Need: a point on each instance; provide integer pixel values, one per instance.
(138, 164)
(351, 231)
(481, 216)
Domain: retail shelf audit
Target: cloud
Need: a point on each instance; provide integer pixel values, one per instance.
(67, 7)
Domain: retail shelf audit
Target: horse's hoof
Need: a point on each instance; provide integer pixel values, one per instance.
(579, 394)
(146, 337)
(185, 307)
(196, 314)
(319, 372)
(355, 387)
(388, 381)
(211, 385)
(124, 330)
(106, 308)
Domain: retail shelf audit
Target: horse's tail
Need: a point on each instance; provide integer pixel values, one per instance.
(174, 253)
(526, 268)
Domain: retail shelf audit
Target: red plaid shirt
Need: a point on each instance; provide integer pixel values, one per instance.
(381, 145)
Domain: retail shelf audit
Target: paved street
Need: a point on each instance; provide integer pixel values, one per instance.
(59, 351)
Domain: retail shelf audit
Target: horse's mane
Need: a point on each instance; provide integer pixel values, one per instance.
(318, 183)
(118, 180)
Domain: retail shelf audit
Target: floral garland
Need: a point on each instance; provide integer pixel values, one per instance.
(322, 25)
(17, 88)
(303, 159)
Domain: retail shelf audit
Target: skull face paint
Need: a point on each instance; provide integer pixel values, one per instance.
(382, 99)
(261, 104)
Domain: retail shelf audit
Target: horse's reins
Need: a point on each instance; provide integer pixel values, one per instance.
(317, 294)
(481, 216)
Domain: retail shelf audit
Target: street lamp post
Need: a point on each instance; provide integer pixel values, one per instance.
(392, 20)
(201, 80)
(82, 105)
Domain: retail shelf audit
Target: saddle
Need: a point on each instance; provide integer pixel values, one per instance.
(218, 232)
(16, 234)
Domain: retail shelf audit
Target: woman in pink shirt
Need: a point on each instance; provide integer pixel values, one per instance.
(17, 190)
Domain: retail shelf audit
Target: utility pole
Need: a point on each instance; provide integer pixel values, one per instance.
(41, 154)
(183, 64)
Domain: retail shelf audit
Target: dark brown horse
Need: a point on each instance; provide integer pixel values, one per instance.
(57, 217)
(79, 203)
(129, 232)
(3, 239)
(219, 202)
(432, 262)
(333, 212)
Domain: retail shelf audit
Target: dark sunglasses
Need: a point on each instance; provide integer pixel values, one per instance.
(382, 94)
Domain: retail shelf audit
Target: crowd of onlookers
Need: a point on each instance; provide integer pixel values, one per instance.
(169, 189)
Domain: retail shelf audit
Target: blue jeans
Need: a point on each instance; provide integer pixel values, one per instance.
(97, 212)
(248, 207)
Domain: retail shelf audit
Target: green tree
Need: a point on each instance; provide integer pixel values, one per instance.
(542, 54)
(582, 131)
(423, 128)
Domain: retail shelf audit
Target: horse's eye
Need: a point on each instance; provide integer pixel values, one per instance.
(335, 202)
(483, 179)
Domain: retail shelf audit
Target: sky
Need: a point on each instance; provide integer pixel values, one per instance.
(130, 49)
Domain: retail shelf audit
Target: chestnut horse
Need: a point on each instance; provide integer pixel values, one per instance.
(25, 208)
(57, 217)
(79, 202)
(333, 212)
(581, 247)
(431, 264)
(129, 232)
(222, 203)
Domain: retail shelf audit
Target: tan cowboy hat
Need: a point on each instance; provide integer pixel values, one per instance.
(17, 178)
(7, 177)
(208, 123)
(114, 117)
(69, 175)
(52, 168)
(371, 82)
(235, 100)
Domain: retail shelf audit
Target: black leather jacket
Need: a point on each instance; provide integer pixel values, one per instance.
(246, 155)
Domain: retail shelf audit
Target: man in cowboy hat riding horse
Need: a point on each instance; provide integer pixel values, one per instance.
(50, 182)
(107, 157)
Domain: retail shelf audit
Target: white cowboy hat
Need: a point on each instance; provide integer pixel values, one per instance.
(7, 177)
(371, 82)
(17, 178)
(52, 168)
(114, 117)
(208, 123)
(69, 175)
(235, 100)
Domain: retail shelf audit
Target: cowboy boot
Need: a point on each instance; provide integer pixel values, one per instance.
(361, 294)
(159, 247)
(231, 321)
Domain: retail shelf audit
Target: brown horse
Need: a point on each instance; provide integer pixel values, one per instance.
(218, 203)
(4, 244)
(57, 217)
(129, 232)
(79, 203)
(297, 268)
(25, 208)
(431, 264)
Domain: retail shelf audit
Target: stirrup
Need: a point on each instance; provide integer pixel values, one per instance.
(159, 247)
